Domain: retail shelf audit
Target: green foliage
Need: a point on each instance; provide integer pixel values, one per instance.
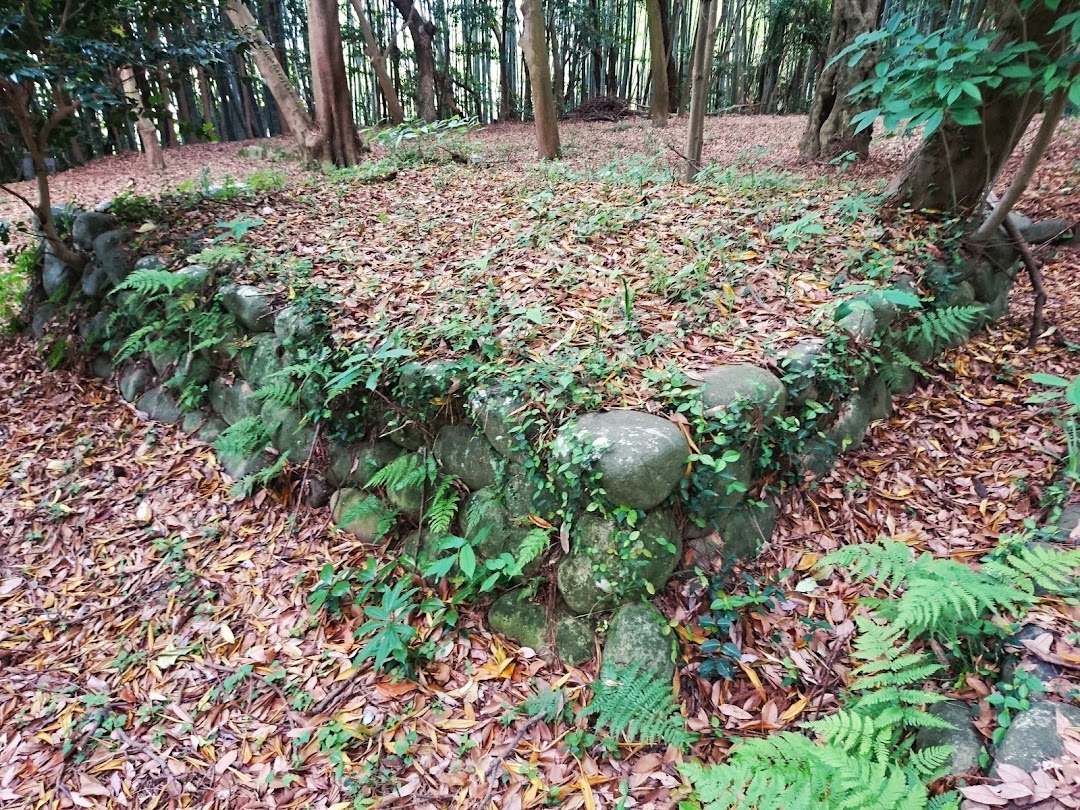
(414, 130)
(266, 181)
(921, 79)
(15, 278)
(788, 771)
(1066, 392)
(946, 324)
(244, 438)
(636, 702)
(388, 629)
(370, 507)
(547, 703)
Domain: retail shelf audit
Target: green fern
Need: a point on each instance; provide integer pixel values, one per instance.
(138, 341)
(279, 391)
(443, 507)
(249, 483)
(404, 472)
(638, 703)
(1036, 567)
(155, 282)
(947, 324)
(546, 703)
(243, 438)
(532, 546)
(789, 771)
(887, 562)
(370, 507)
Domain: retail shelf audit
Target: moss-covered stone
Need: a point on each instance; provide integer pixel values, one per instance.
(640, 457)
(233, 401)
(355, 465)
(1032, 737)
(962, 738)
(746, 529)
(502, 418)
(460, 452)
(240, 466)
(727, 491)
(639, 635)
(860, 324)
(575, 637)
(351, 510)
(799, 363)
(851, 423)
(212, 428)
(88, 226)
(742, 382)
(261, 360)
(159, 406)
(522, 620)
(134, 380)
(289, 432)
(249, 305)
(111, 254)
(605, 568)
(294, 324)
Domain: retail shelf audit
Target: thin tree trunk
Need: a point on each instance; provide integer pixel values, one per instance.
(535, 51)
(658, 106)
(423, 33)
(333, 104)
(703, 50)
(378, 64)
(952, 170)
(829, 131)
(155, 158)
(311, 142)
(1020, 182)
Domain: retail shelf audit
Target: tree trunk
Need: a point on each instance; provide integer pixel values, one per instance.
(155, 158)
(333, 103)
(423, 33)
(658, 104)
(378, 64)
(952, 170)
(310, 140)
(534, 48)
(507, 102)
(829, 131)
(699, 90)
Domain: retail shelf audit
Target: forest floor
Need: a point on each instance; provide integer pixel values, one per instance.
(155, 637)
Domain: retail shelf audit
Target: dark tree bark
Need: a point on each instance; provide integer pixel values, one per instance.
(953, 169)
(333, 103)
(423, 34)
(658, 103)
(829, 131)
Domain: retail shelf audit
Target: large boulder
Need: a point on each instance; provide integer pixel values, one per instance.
(639, 635)
(294, 324)
(522, 620)
(460, 452)
(608, 565)
(233, 401)
(963, 738)
(1048, 230)
(724, 386)
(289, 432)
(111, 254)
(88, 226)
(1032, 737)
(355, 465)
(503, 418)
(159, 406)
(640, 457)
(249, 305)
(359, 513)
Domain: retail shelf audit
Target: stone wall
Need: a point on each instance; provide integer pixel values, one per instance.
(625, 476)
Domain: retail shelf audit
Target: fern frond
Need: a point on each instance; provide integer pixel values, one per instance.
(546, 703)
(409, 470)
(947, 323)
(929, 762)
(888, 562)
(243, 438)
(443, 508)
(281, 392)
(1039, 566)
(532, 546)
(636, 702)
(137, 341)
(155, 281)
(855, 734)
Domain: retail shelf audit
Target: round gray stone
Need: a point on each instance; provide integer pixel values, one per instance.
(159, 406)
(249, 305)
(503, 419)
(605, 569)
(641, 458)
(639, 635)
(89, 226)
(133, 381)
(56, 275)
(965, 741)
(110, 252)
(723, 386)
(354, 466)
(1032, 737)
(460, 452)
(289, 432)
(363, 525)
(744, 530)
(261, 360)
(43, 317)
(233, 401)
(521, 620)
